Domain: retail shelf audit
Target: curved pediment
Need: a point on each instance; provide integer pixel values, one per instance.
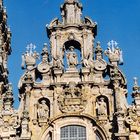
(88, 21)
(54, 22)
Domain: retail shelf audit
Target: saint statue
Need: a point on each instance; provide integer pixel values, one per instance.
(72, 59)
(88, 61)
(43, 110)
(101, 107)
(58, 63)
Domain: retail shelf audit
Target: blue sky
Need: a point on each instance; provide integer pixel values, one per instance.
(117, 19)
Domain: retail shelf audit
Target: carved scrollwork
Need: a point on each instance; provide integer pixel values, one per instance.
(129, 120)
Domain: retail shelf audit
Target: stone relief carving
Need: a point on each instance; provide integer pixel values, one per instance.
(43, 110)
(101, 107)
(72, 59)
(71, 99)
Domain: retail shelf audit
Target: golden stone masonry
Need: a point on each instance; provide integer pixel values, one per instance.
(72, 95)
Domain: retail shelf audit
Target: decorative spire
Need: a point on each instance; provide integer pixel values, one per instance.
(136, 88)
(136, 95)
(8, 98)
(1, 3)
(98, 51)
(45, 54)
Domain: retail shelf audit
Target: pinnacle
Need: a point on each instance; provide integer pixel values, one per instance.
(1, 2)
(71, 1)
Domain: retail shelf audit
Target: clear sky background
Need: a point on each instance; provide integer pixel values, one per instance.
(117, 19)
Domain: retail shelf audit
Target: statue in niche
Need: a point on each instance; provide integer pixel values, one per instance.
(43, 110)
(72, 59)
(101, 107)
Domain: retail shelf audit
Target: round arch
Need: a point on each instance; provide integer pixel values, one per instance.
(93, 129)
(73, 43)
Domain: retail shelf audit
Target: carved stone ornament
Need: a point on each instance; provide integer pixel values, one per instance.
(129, 120)
(71, 100)
(113, 52)
(72, 59)
(100, 65)
(30, 57)
(43, 67)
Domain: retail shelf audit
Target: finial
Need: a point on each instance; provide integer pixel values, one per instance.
(136, 90)
(114, 53)
(135, 81)
(71, 1)
(98, 50)
(136, 86)
(45, 54)
(1, 3)
(45, 49)
(29, 58)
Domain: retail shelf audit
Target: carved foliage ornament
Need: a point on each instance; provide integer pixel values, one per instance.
(72, 100)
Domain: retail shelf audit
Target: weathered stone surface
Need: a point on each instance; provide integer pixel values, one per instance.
(73, 93)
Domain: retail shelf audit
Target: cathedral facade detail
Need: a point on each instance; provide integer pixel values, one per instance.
(73, 93)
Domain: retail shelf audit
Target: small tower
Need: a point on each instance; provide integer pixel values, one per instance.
(73, 30)
(1, 3)
(71, 12)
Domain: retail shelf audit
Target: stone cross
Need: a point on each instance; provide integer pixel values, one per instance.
(112, 44)
(30, 49)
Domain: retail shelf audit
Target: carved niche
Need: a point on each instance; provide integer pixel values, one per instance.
(102, 107)
(72, 100)
(43, 110)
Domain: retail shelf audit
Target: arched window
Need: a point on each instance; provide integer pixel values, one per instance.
(73, 132)
(98, 136)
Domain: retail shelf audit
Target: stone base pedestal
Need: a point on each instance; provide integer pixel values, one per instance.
(122, 136)
(25, 136)
(58, 73)
(85, 72)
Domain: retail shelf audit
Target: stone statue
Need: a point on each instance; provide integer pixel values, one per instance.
(43, 110)
(72, 59)
(58, 63)
(101, 107)
(88, 61)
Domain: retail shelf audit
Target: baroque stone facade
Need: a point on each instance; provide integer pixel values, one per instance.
(73, 93)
